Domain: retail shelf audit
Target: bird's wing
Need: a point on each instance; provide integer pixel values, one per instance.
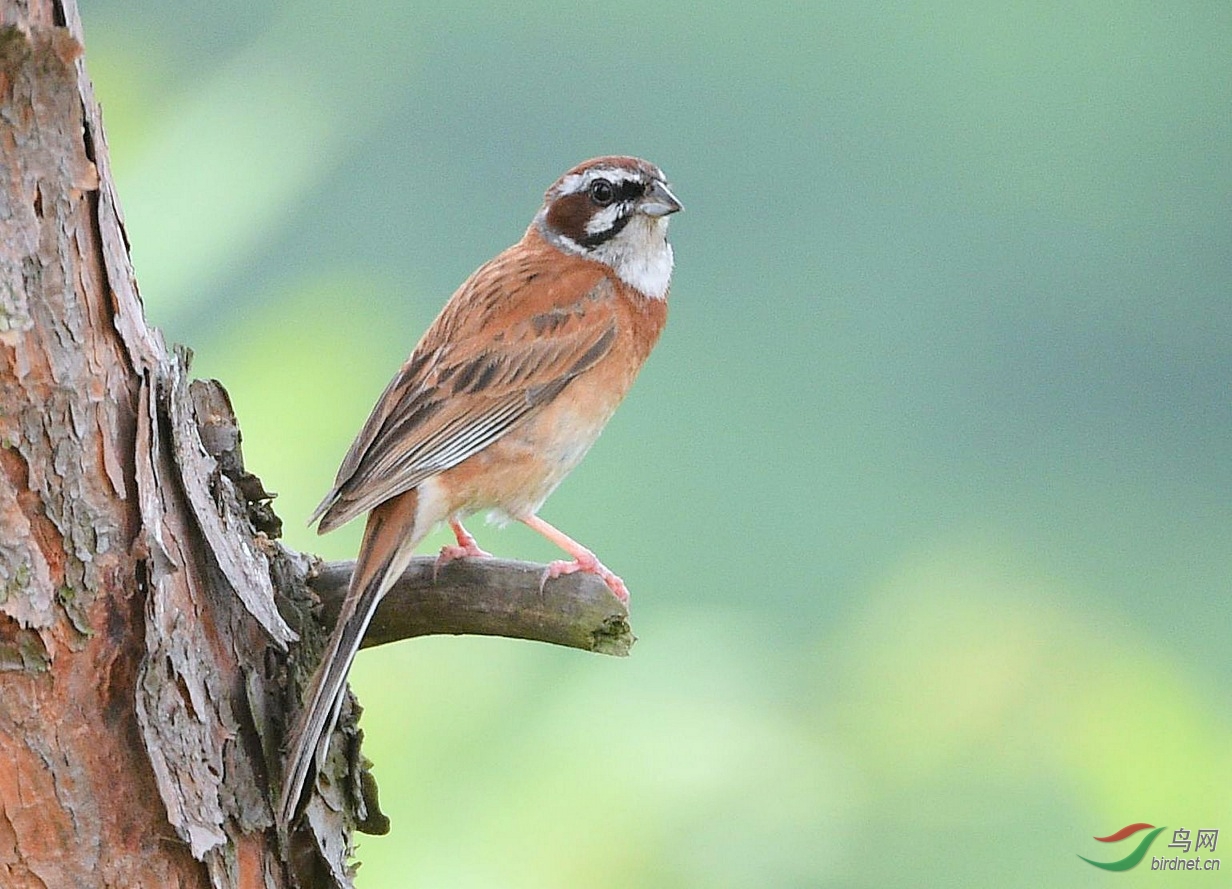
(492, 357)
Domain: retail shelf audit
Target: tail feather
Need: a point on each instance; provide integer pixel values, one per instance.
(389, 542)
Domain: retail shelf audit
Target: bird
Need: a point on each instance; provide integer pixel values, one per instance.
(500, 399)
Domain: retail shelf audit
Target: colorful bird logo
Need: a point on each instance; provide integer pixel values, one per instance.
(1133, 857)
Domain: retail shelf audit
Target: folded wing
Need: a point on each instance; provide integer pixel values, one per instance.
(468, 383)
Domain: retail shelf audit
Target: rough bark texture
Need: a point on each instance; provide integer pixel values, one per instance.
(117, 714)
(145, 607)
(69, 399)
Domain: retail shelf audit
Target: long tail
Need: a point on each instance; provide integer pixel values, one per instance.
(389, 541)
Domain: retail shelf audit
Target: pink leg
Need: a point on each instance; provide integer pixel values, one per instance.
(583, 559)
(466, 548)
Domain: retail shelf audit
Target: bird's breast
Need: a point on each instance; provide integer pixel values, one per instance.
(516, 473)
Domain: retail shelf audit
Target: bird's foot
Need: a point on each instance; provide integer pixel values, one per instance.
(587, 562)
(466, 548)
(583, 559)
(451, 553)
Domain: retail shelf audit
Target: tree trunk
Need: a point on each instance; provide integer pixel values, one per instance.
(146, 608)
(117, 655)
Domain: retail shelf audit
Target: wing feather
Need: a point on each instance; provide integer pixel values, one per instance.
(470, 381)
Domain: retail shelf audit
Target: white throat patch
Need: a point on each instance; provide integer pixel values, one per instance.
(640, 255)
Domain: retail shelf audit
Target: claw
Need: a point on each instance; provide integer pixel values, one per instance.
(467, 548)
(583, 559)
(588, 563)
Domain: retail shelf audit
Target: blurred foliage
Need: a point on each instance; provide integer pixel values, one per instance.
(924, 498)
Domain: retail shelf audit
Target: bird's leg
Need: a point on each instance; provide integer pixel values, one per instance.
(583, 559)
(467, 547)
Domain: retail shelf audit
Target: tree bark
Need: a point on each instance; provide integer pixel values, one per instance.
(146, 608)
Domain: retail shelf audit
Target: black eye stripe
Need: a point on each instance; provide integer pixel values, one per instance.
(624, 190)
(630, 189)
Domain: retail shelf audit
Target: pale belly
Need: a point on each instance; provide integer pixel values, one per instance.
(515, 475)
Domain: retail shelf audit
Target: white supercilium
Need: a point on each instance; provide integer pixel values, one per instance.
(576, 182)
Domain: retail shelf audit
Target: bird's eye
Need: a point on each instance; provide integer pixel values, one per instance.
(602, 193)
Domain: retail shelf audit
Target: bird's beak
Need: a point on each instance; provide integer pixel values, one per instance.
(658, 201)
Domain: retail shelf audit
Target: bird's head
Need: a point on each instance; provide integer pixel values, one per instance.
(614, 210)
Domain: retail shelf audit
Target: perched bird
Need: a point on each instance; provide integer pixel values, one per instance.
(500, 400)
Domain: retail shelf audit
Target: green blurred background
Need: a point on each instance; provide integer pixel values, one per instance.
(923, 498)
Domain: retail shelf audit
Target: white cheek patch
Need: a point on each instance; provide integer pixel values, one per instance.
(605, 219)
